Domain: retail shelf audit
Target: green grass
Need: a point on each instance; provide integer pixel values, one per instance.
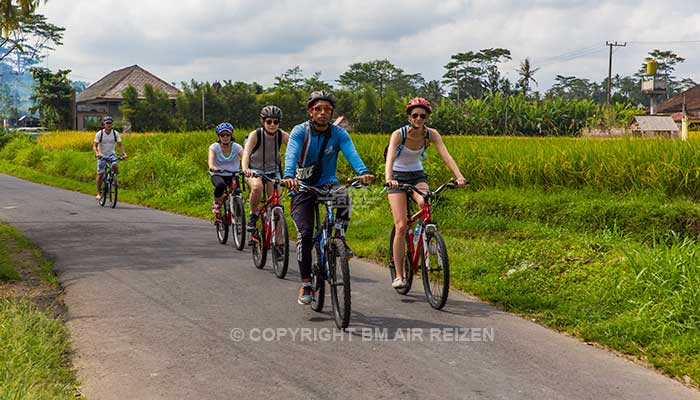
(33, 344)
(595, 238)
(32, 354)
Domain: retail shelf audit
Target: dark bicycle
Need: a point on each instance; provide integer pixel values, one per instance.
(110, 184)
(271, 231)
(425, 250)
(329, 261)
(232, 213)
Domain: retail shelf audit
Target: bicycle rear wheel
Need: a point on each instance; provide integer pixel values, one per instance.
(317, 281)
(113, 191)
(280, 245)
(221, 224)
(339, 280)
(238, 228)
(259, 250)
(407, 270)
(436, 271)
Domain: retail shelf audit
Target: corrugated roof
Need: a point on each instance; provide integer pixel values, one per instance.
(654, 123)
(691, 97)
(111, 86)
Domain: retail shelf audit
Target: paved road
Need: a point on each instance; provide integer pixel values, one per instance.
(154, 304)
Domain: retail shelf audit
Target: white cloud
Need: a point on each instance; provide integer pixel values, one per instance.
(256, 41)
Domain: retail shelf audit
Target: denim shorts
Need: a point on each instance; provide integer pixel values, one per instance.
(407, 177)
(102, 163)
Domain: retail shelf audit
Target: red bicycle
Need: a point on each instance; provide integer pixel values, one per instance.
(432, 260)
(231, 213)
(271, 231)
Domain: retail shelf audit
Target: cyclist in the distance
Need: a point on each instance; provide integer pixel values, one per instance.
(224, 156)
(261, 156)
(103, 146)
(404, 156)
(312, 157)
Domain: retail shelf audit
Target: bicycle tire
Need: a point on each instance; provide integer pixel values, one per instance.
(340, 284)
(280, 262)
(407, 270)
(436, 281)
(317, 281)
(104, 192)
(238, 228)
(113, 192)
(222, 225)
(259, 250)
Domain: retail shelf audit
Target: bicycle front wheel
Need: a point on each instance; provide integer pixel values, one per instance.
(113, 192)
(259, 250)
(222, 224)
(436, 271)
(317, 281)
(238, 227)
(104, 191)
(340, 283)
(407, 270)
(280, 247)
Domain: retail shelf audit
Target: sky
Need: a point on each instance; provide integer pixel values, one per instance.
(246, 40)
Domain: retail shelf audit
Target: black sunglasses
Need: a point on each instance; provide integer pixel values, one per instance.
(421, 116)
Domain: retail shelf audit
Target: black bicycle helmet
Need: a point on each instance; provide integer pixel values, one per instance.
(271, 112)
(320, 95)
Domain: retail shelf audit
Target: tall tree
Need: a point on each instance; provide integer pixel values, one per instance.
(52, 97)
(382, 76)
(527, 75)
(666, 64)
(11, 12)
(472, 74)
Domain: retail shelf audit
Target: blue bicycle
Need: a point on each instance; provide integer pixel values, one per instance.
(329, 261)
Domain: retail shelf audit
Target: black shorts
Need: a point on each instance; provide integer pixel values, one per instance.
(407, 177)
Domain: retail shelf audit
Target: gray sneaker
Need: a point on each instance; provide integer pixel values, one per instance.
(305, 296)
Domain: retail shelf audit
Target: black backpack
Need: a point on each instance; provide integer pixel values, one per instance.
(278, 144)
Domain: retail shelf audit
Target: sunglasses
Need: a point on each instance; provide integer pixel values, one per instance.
(272, 122)
(224, 134)
(421, 116)
(320, 108)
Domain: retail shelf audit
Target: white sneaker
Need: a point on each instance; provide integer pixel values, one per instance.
(398, 283)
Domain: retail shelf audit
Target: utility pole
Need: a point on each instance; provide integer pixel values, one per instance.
(610, 65)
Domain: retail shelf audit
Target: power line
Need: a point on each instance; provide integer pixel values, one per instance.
(666, 42)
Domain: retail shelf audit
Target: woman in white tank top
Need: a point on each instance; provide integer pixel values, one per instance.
(404, 166)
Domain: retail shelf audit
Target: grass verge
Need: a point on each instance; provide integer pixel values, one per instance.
(34, 342)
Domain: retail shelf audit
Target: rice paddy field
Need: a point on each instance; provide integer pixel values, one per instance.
(595, 237)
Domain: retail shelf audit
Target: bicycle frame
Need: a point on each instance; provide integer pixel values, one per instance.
(270, 203)
(424, 215)
(231, 190)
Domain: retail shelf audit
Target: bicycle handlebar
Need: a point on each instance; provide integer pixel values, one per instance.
(352, 182)
(234, 173)
(412, 188)
(121, 158)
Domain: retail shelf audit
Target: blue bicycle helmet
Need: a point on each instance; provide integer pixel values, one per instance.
(224, 126)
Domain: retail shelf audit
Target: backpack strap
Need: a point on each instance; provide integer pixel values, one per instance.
(102, 132)
(304, 146)
(404, 132)
(258, 135)
(426, 143)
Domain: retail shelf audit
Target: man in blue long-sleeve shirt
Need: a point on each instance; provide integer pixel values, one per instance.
(312, 158)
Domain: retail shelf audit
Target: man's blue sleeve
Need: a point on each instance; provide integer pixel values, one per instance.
(294, 147)
(350, 153)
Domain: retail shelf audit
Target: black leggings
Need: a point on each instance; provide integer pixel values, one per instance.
(220, 184)
(302, 210)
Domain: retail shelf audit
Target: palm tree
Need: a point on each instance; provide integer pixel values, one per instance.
(527, 74)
